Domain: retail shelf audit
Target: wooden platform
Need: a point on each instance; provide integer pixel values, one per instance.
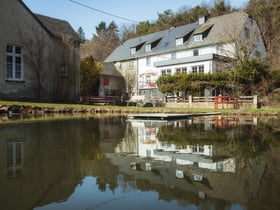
(166, 116)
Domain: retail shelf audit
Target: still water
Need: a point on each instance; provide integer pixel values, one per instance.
(223, 163)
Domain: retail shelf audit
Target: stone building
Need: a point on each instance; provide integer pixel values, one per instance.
(39, 56)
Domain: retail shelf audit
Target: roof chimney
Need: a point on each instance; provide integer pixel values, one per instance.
(202, 20)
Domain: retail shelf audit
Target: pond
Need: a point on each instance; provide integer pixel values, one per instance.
(112, 162)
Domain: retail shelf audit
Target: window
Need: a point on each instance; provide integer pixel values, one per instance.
(179, 41)
(148, 47)
(148, 61)
(195, 52)
(166, 72)
(131, 64)
(247, 33)
(194, 69)
(258, 54)
(201, 69)
(63, 71)
(173, 56)
(198, 37)
(132, 50)
(14, 158)
(182, 70)
(14, 62)
(198, 69)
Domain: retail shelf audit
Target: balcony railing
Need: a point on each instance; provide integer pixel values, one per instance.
(147, 85)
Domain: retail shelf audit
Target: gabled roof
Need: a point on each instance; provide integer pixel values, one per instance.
(219, 29)
(166, 43)
(59, 28)
(109, 69)
(55, 27)
(222, 29)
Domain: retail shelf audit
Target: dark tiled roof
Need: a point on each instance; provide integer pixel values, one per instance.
(59, 28)
(220, 29)
(110, 69)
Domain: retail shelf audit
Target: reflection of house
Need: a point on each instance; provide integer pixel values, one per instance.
(39, 57)
(35, 167)
(206, 46)
(200, 156)
(111, 81)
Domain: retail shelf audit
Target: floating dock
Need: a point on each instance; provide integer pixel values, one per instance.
(167, 116)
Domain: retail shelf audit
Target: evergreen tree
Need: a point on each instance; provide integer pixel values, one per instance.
(81, 34)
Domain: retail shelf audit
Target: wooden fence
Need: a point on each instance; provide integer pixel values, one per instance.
(104, 100)
(215, 102)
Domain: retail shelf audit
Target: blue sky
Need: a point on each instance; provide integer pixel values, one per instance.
(136, 10)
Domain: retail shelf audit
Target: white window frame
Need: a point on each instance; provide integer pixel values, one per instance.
(178, 70)
(13, 68)
(201, 69)
(133, 50)
(198, 37)
(194, 69)
(179, 41)
(148, 61)
(173, 56)
(148, 47)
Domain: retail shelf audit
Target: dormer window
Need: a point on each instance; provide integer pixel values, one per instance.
(198, 37)
(135, 49)
(132, 50)
(148, 47)
(179, 41)
(151, 45)
(202, 32)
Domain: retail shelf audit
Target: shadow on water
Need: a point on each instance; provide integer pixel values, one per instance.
(112, 162)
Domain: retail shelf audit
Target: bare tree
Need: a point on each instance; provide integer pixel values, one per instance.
(244, 39)
(35, 51)
(52, 62)
(130, 78)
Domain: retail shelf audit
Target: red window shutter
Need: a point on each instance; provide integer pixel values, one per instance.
(106, 81)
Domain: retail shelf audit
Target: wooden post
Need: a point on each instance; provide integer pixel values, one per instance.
(255, 101)
(190, 101)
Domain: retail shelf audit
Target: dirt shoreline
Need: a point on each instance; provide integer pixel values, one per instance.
(41, 110)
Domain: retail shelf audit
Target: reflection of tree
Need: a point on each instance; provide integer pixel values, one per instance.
(90, 146)
(243, 141)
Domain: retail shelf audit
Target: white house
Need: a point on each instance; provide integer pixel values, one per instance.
(206, 46)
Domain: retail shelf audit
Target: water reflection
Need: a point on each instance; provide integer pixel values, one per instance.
(114, 163)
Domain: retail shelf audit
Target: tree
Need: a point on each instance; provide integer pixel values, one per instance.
(105, 41)
(164, 20)
(220, 8)
(130, 78)
(165, 84)
(90, 71)
(35, 55)
(81, 34)
(266, 13)
(250, 74)
(127, 32)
